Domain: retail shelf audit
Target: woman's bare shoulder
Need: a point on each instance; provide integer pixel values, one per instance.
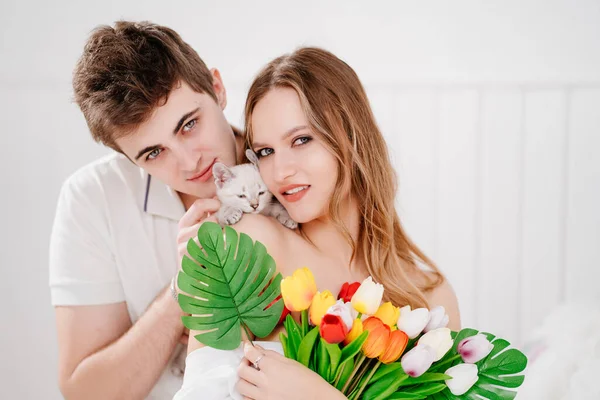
(444, 295)
(266, 230)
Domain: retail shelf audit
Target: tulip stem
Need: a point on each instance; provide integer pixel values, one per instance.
(356, 367)
(448, 361)
(360, 375)
(304, 320)
(364, 385)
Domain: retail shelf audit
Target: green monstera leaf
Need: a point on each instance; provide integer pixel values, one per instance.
(229, 283)
(499, 373)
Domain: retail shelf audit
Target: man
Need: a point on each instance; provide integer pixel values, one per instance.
(146, 94)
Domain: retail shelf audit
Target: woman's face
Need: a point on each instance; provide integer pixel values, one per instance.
(293, 162)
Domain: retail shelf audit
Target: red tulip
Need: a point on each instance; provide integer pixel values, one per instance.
(333, 329)
(285, 311)
(348, 290)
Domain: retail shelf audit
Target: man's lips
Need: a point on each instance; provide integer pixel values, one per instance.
(203, 175)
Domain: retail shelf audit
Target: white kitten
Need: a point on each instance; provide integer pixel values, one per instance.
(241, 190)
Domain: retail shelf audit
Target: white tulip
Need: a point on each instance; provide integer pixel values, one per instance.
(418, 360)
(368, 297)
(463, 376)
(344, 311)
(438, 319)
(413, 322)
(440, 340)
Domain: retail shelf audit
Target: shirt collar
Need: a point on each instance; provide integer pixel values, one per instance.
(159, 199)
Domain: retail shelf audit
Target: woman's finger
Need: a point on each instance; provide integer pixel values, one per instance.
(250, 374)
(247, 389)
(254, 354)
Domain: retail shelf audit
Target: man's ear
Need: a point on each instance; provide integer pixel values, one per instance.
(219, 88)
(222, 174)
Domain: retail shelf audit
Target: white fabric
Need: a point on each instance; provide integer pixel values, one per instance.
(211, 374)
(105, 248)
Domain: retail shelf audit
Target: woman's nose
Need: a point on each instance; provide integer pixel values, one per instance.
(285, 167)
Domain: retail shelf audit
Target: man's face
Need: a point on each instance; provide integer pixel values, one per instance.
(182, 140)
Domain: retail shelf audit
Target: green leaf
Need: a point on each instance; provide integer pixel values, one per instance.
(323, 363)
(335, 355)
(347, 368)
(425, 378)
(294, 336)
(306, 346)
(384, 386)
(228, 283)
(499, 372)
(387, 369)
(354, 347)
(284, 344)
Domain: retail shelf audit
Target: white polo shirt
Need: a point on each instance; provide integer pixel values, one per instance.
(114, 240)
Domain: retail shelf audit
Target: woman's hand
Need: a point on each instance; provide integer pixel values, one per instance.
(279, 378)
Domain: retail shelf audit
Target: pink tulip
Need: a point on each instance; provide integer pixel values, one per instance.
(418, 360)
(474, 348)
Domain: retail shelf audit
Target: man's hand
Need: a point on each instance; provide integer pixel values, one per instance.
(202, 210)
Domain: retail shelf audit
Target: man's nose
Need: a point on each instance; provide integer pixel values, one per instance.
(189, 159)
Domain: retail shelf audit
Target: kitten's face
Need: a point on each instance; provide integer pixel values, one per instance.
(241, 187)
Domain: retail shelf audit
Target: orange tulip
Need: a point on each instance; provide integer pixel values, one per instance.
(395, 348)
(378, 339)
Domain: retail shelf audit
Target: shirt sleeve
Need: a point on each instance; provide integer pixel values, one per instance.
(83, 270)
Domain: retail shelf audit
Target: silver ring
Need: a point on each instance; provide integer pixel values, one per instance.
(255, 363)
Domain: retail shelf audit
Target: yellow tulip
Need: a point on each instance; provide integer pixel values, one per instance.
(357, 329)
(298, 290)
(320, 304)
(388, 314)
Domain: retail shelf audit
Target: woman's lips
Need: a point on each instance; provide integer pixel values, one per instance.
(291, 198)
(205, 175)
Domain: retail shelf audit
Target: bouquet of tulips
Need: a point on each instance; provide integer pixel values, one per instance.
(370, 350)
(366, 349)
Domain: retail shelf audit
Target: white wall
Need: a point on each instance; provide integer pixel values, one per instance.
(491, 110)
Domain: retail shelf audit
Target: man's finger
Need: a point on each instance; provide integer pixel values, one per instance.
(199, 211)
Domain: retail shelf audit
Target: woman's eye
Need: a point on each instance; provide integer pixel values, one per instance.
(264, 152)
(302, 140)
(153, 154)
(190, 125)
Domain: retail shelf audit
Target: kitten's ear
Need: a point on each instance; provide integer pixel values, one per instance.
(250, 155)
(222, 174)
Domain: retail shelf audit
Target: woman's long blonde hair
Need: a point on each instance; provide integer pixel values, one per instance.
(337, 109)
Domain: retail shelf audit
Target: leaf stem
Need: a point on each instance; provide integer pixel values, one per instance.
(304, 319)
(448, 361)
(367, 380)
(356, 367)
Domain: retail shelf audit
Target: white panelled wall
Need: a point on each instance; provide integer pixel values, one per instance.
(500, 185)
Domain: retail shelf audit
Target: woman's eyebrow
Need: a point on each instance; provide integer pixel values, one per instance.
(289, 133)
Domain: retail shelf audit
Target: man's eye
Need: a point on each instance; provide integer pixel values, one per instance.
(264, 152)
(190, 125)
(153, 154)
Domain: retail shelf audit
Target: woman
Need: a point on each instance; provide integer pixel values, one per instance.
(322, 155)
